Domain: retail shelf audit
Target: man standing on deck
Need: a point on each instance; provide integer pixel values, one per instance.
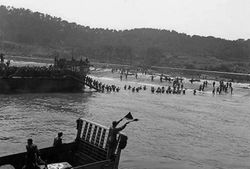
(58, 140)
(58, 146)
(112, 138)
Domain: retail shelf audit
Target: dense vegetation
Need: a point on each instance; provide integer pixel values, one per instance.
(30, 33)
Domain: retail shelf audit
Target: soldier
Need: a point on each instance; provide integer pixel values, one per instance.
(58, 140)
(58, 146)
(112, 139)
(32, 156)
(2, 57)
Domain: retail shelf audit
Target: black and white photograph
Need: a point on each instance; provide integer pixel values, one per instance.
(124, 84)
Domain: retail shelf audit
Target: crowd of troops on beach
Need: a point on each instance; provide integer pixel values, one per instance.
(126, 73)
(223, 87)
(176, 87)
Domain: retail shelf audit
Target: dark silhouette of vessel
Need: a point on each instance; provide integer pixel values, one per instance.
(63, 76)
(89, 150)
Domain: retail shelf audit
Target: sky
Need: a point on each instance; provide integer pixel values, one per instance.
(227, 19)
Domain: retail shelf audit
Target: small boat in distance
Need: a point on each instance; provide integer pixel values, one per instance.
(88, 151)
(194, 80)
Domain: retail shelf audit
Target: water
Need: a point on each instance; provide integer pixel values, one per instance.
(174, 131)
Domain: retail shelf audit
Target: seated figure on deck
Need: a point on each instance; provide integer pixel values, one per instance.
(32, 157)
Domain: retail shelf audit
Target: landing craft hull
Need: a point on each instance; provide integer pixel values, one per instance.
(88, 151)
(39, 85)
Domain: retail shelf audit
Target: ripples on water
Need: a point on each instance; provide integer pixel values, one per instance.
(174, 131)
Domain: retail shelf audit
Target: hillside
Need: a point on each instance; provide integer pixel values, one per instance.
(23, 32)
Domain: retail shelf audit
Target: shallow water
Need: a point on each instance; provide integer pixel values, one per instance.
(174, 131)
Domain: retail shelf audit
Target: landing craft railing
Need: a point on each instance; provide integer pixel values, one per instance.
(92, 139)
(93, 133)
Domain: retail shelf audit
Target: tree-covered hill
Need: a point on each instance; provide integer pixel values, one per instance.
(32, 33)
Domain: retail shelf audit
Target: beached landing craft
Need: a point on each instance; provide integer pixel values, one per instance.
(88, 151)
(63, 76)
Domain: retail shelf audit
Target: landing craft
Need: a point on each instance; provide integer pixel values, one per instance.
(63, 76)
(89, 150)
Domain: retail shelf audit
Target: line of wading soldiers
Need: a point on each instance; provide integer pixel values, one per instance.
(223, 87)
(33, 157)
(177, 88)
(203, 85)
(100, 86)
(169, 90)
(133, 89)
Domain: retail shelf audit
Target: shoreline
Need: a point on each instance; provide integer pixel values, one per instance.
(156, 71)
(114, 78)
(99, 72)
(188, 73)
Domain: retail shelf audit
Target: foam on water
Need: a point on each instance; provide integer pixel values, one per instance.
(103, 78)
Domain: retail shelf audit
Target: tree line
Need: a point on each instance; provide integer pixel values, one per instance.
(142, 46)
